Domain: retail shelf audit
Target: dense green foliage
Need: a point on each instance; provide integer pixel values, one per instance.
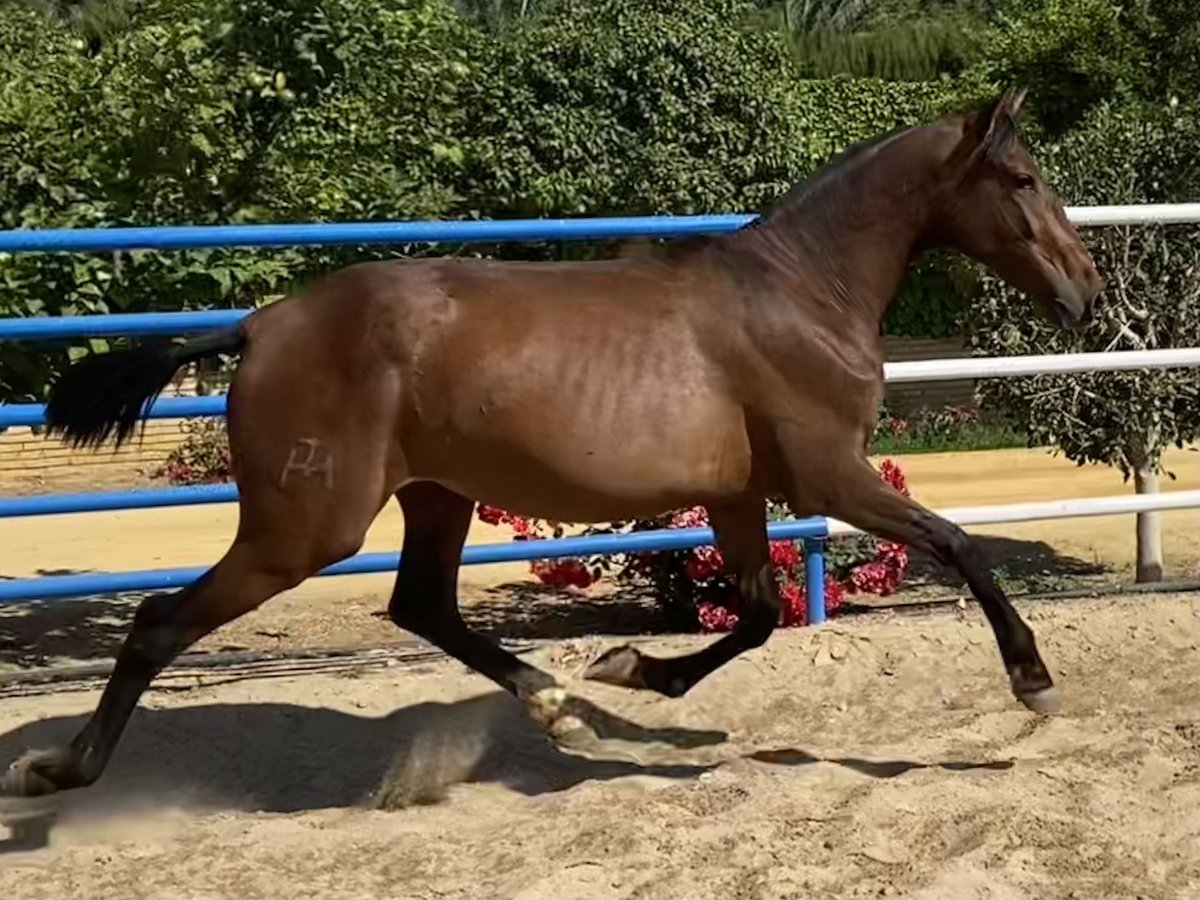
(213, 111)
(197, 111)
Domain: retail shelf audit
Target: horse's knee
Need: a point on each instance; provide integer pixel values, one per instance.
(953, 546)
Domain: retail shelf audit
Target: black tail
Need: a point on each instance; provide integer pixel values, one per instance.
(109, 392)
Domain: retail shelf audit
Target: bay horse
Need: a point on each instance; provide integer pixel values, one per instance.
(724, 371)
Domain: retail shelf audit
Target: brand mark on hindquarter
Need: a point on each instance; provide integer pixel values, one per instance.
(308, 457)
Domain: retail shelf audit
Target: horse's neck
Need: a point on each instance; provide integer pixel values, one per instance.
(846, 244)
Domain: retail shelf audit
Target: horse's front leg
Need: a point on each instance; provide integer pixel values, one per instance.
(741, 535)
(857, 496)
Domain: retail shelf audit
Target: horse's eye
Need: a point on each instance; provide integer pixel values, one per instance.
(1025, 182)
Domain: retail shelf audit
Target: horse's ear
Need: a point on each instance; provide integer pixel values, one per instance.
(996, 125)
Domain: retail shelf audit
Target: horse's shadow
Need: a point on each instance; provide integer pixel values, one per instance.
(278, 757)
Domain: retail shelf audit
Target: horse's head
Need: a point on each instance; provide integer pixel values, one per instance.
(1000, 212)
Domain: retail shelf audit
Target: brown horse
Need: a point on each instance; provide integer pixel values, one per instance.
(722, 372)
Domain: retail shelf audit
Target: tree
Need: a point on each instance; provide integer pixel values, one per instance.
(1077, 54)
(204, 111)
(901, 40)
(1124, 154)
(660, 106)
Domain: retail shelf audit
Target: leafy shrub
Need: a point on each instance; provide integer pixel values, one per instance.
(933, 429)
(202, 457)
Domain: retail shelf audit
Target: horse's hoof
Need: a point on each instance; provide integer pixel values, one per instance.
(25, 776)
(1045, 700)
(1031, 684)
(572, 733)
(546, 706)
(621, 666)
(29, 805)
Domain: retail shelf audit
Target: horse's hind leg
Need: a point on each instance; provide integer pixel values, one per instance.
(425, 602)
(284, 537)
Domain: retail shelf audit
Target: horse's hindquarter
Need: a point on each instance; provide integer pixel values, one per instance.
(573, 391)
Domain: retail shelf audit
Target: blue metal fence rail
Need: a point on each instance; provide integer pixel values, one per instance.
(812, 532)
(182, 237)
(46, 328)
(113, 501)
(31, 414)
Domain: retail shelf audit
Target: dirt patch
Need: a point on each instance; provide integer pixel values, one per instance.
(880, 756)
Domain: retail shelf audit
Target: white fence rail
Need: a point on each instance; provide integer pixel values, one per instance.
(1006, 367)
(1046, 364)
(1150, 214)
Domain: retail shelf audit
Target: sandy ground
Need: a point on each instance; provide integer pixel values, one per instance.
(877, 756)
(880, 756)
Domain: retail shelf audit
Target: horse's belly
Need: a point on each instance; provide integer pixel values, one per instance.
(577, 473)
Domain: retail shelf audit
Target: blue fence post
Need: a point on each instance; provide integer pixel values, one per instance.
(814, 578)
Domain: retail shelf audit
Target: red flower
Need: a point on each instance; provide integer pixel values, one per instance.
(882, 574)
(562, 572)
(793, 605)
(714, 617)
(890, 472)
(704, 563)
(834, 594)
(696, 517)
(492, 515)
(785, 555)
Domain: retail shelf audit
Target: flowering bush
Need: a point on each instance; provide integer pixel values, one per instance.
(202, 458)
(691, 585)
